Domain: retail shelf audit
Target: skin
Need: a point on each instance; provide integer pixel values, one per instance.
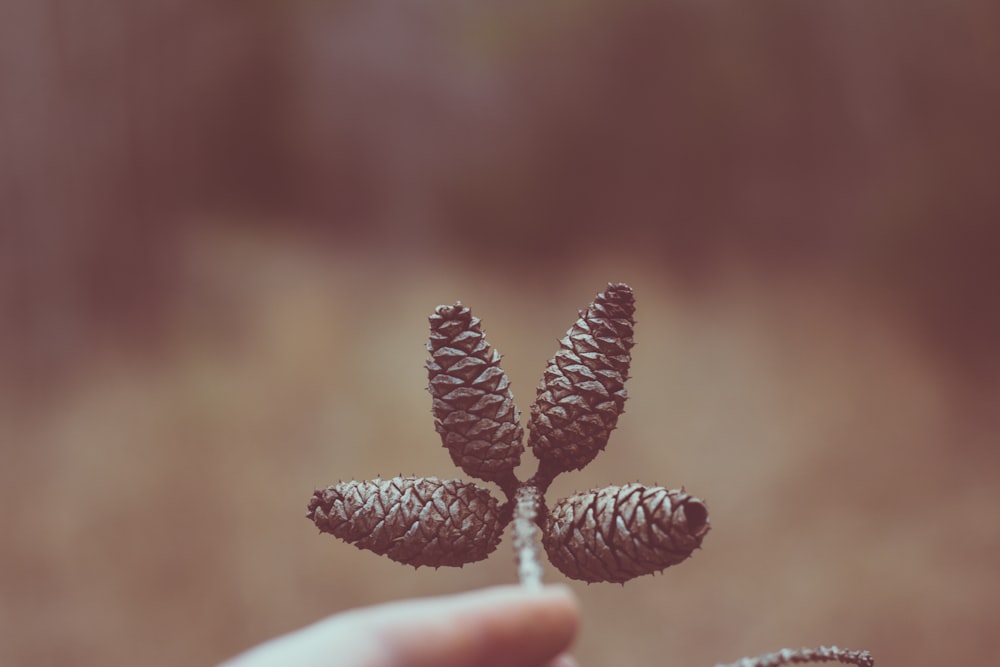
(505, 626)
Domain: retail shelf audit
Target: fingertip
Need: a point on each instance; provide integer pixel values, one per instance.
(564, 660)
(547, 628)
(563, 592)
(561, 602)
(503, 625)
(559, 595)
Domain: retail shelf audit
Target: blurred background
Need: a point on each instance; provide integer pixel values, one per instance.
(223, 225)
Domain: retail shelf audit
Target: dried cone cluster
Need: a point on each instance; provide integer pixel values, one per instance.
(611, 534)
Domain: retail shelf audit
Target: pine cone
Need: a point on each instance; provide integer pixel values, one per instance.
(473, 407)
(619, 533)
(583, 388)
(412, 520)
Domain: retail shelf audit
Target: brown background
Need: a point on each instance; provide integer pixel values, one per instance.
(222, 227)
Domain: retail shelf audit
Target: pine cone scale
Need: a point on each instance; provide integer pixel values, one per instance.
(467, 368)
(445, 383)
(490, 379)
(611, 534)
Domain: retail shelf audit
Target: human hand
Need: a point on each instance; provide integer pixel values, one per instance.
(504, 626)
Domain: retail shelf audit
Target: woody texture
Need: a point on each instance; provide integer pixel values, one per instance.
(611, 534)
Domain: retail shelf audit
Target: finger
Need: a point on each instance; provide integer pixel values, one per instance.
(564, 660)
(505, 626)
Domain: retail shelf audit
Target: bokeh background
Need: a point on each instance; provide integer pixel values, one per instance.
(223, 224)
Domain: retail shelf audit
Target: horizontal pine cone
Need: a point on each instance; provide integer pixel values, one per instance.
(582, 392)
(621, 532)
(473, 407)
(412, 520)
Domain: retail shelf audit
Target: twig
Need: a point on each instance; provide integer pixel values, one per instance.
(526, 506)
(821, 654)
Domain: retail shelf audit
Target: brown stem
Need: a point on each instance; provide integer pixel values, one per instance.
(821, 654)
(547, 471)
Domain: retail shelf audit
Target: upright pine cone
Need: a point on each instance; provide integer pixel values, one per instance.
(473, 407)
(621, 532)
(583, 388)
(412, 520)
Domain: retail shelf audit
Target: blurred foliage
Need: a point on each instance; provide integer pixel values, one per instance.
(829, 137)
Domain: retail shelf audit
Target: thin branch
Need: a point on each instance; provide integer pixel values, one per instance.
(821, 654)
(529, 570)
